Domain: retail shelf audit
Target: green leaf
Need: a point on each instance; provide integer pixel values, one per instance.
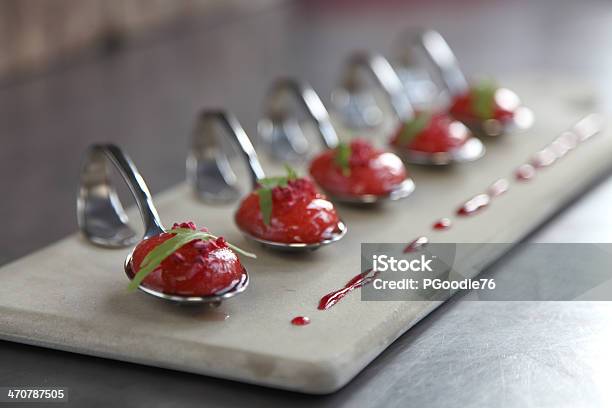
(271, 182)
(265, 204)
(483, 99)
(413, 127)
(265, 191)
(182, 236)
(291, 173)
(342, 158)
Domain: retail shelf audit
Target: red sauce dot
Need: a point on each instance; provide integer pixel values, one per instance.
(416, 244)
(498, 187)
(525, 172)
(544, 158)
(442, 224)
(300, 321)
(474, 204)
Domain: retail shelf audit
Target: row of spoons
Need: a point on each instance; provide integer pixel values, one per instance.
(337, 171)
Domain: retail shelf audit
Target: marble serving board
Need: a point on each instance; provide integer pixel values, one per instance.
(72, 295)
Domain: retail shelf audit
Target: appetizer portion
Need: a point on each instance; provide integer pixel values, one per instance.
(186, 261)
(485, 101)
(431, 133)
(287, 210)
(357, 168)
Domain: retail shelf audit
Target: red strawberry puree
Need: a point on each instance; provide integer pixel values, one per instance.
(504, 103)
(300, 214)
(440, 134)
(370, 171)
(199, 268)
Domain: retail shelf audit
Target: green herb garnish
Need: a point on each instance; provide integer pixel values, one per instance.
(342, 158)
(182, 236)
(413, 127)
(483, 99)
(264, 191)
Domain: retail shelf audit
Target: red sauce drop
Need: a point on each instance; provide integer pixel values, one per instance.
(300, 321)
(569, 139)
(544, 158)
(498, 188)
(358, 281)
(474, 204)
(525, 172)
(442, 224)
(416, 245)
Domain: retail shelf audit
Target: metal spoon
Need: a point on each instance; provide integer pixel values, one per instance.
(354, 100)
(447, 68)
(103, 221)
(206, 145)
(310, 104)
(390, 84)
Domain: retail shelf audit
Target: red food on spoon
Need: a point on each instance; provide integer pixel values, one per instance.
(431, 133)
(485, 101)
(358, 169)
(200, 267)
(287, 210)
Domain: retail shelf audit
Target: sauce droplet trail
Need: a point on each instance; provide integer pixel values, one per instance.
(358, 281)
(416, 244)
(498, 188)
(442, 224)
(525, 172)
(474, 204)
(300, 321)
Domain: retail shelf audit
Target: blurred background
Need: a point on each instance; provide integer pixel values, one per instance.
(136, 72)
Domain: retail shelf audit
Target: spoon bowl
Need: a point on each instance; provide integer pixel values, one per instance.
(523, 119)
(473, 149)
(299, 246)
(402, 190)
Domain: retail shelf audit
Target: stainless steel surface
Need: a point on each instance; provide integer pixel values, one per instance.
(103, 221)
(297, 246)
(523, 119)
(215, 139)
(100, 215)
(443, 59)
(472, 149)
(355, 98)
(402, 190)
(281, 129)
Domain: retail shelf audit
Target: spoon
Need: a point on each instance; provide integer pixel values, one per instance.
(387, 80)
(447, 67)
(103, 221)
(354, 100)
(310, 104)
(207, 137)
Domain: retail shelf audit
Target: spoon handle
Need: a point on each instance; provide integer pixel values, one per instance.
(100, 215)
(385, 77)
(208, 167)
(279, 107)
(442, 57)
